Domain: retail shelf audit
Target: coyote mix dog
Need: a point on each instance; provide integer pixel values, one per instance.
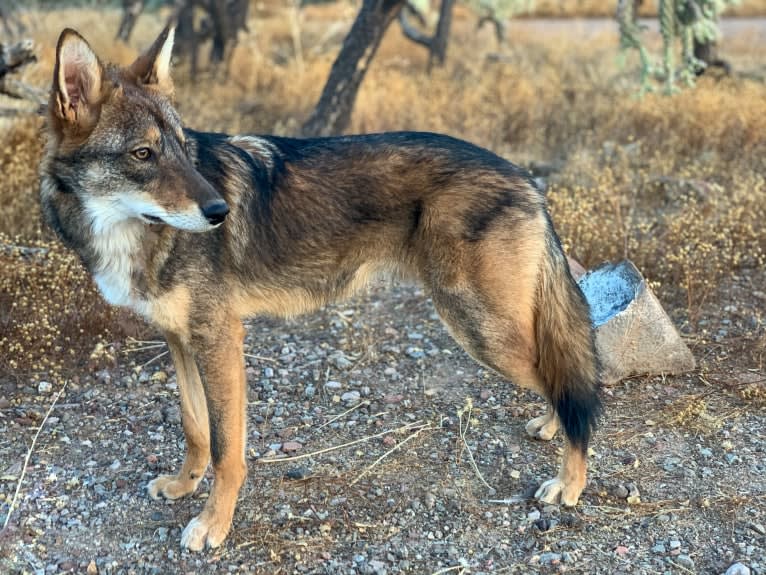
(196, 230)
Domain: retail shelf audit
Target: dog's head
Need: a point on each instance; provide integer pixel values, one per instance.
(117, 142)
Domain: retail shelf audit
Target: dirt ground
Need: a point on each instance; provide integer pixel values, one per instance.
(676, 475)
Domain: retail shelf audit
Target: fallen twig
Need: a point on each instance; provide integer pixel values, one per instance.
(29, 454)
(349, 410)
(466, 410)
(406, 427)
(389, 452)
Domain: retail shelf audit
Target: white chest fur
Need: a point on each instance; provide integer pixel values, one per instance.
(117, 246)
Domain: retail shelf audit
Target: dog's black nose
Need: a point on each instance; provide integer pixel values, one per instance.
(215, 211)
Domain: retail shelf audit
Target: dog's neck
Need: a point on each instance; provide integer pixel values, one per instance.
(114, 250)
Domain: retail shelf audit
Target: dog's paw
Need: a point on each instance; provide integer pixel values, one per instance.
(170, 487)
(204, 532)
(556, 491)
(543, 427)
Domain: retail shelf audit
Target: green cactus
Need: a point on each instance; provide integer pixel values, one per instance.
(684, 20)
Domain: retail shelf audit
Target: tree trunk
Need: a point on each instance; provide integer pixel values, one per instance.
(707, 52)
(438, 51)
(332, 114)
(131, 10)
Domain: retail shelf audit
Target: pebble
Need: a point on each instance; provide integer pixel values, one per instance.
(44, 387)
(301, 472)
(415, 352)
(550, 558)
(533, 515)
(685, 561)
(738, 569)
(350, 397)
(333, 385)
(289, 446)
(705, 452)
(674, 544)
(4, 403)
(659, 549)
(758, 528)
(309, 391)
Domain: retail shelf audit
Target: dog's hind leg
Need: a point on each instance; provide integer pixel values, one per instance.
(195, 423)
(512, 306)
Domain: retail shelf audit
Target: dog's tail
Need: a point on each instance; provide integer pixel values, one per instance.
(567, 360)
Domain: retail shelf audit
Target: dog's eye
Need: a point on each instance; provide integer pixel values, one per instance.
(142, 154)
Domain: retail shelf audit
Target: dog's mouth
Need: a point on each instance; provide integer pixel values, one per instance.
(151, 219)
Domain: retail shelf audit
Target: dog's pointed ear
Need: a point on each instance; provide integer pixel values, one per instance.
(152, 68)
(77, 80)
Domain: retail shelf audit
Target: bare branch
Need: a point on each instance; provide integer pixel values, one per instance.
(410, 31)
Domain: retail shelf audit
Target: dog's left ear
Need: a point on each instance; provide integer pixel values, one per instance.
(152, 68)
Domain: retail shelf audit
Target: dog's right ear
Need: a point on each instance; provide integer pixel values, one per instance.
(77, 81)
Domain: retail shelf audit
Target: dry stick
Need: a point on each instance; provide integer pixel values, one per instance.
(336, 447)
(156, 357)
(29, 454)
(389, 452)
(349, 410)
(463, 431)
(262, 358)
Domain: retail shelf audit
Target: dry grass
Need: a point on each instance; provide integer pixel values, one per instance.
(675, 183)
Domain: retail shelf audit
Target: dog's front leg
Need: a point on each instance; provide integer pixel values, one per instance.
(196, 427)
(221, 363)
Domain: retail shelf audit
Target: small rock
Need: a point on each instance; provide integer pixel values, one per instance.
(621, 550)
(685, 561)
(172, 414)
(300, 472)
(115, 465)
(159, 377)
(533, 515)
(550, 558)
(333, 385)
(674, 544)
(92, 569)
(309, 391)
(289, 446)
(4, 403)
(341, 361)
(350, 397)
(268, 372)
(621, 492)
(758, 528)
(738, 569)
(44, 387)
(659, 549)
(415, 352)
